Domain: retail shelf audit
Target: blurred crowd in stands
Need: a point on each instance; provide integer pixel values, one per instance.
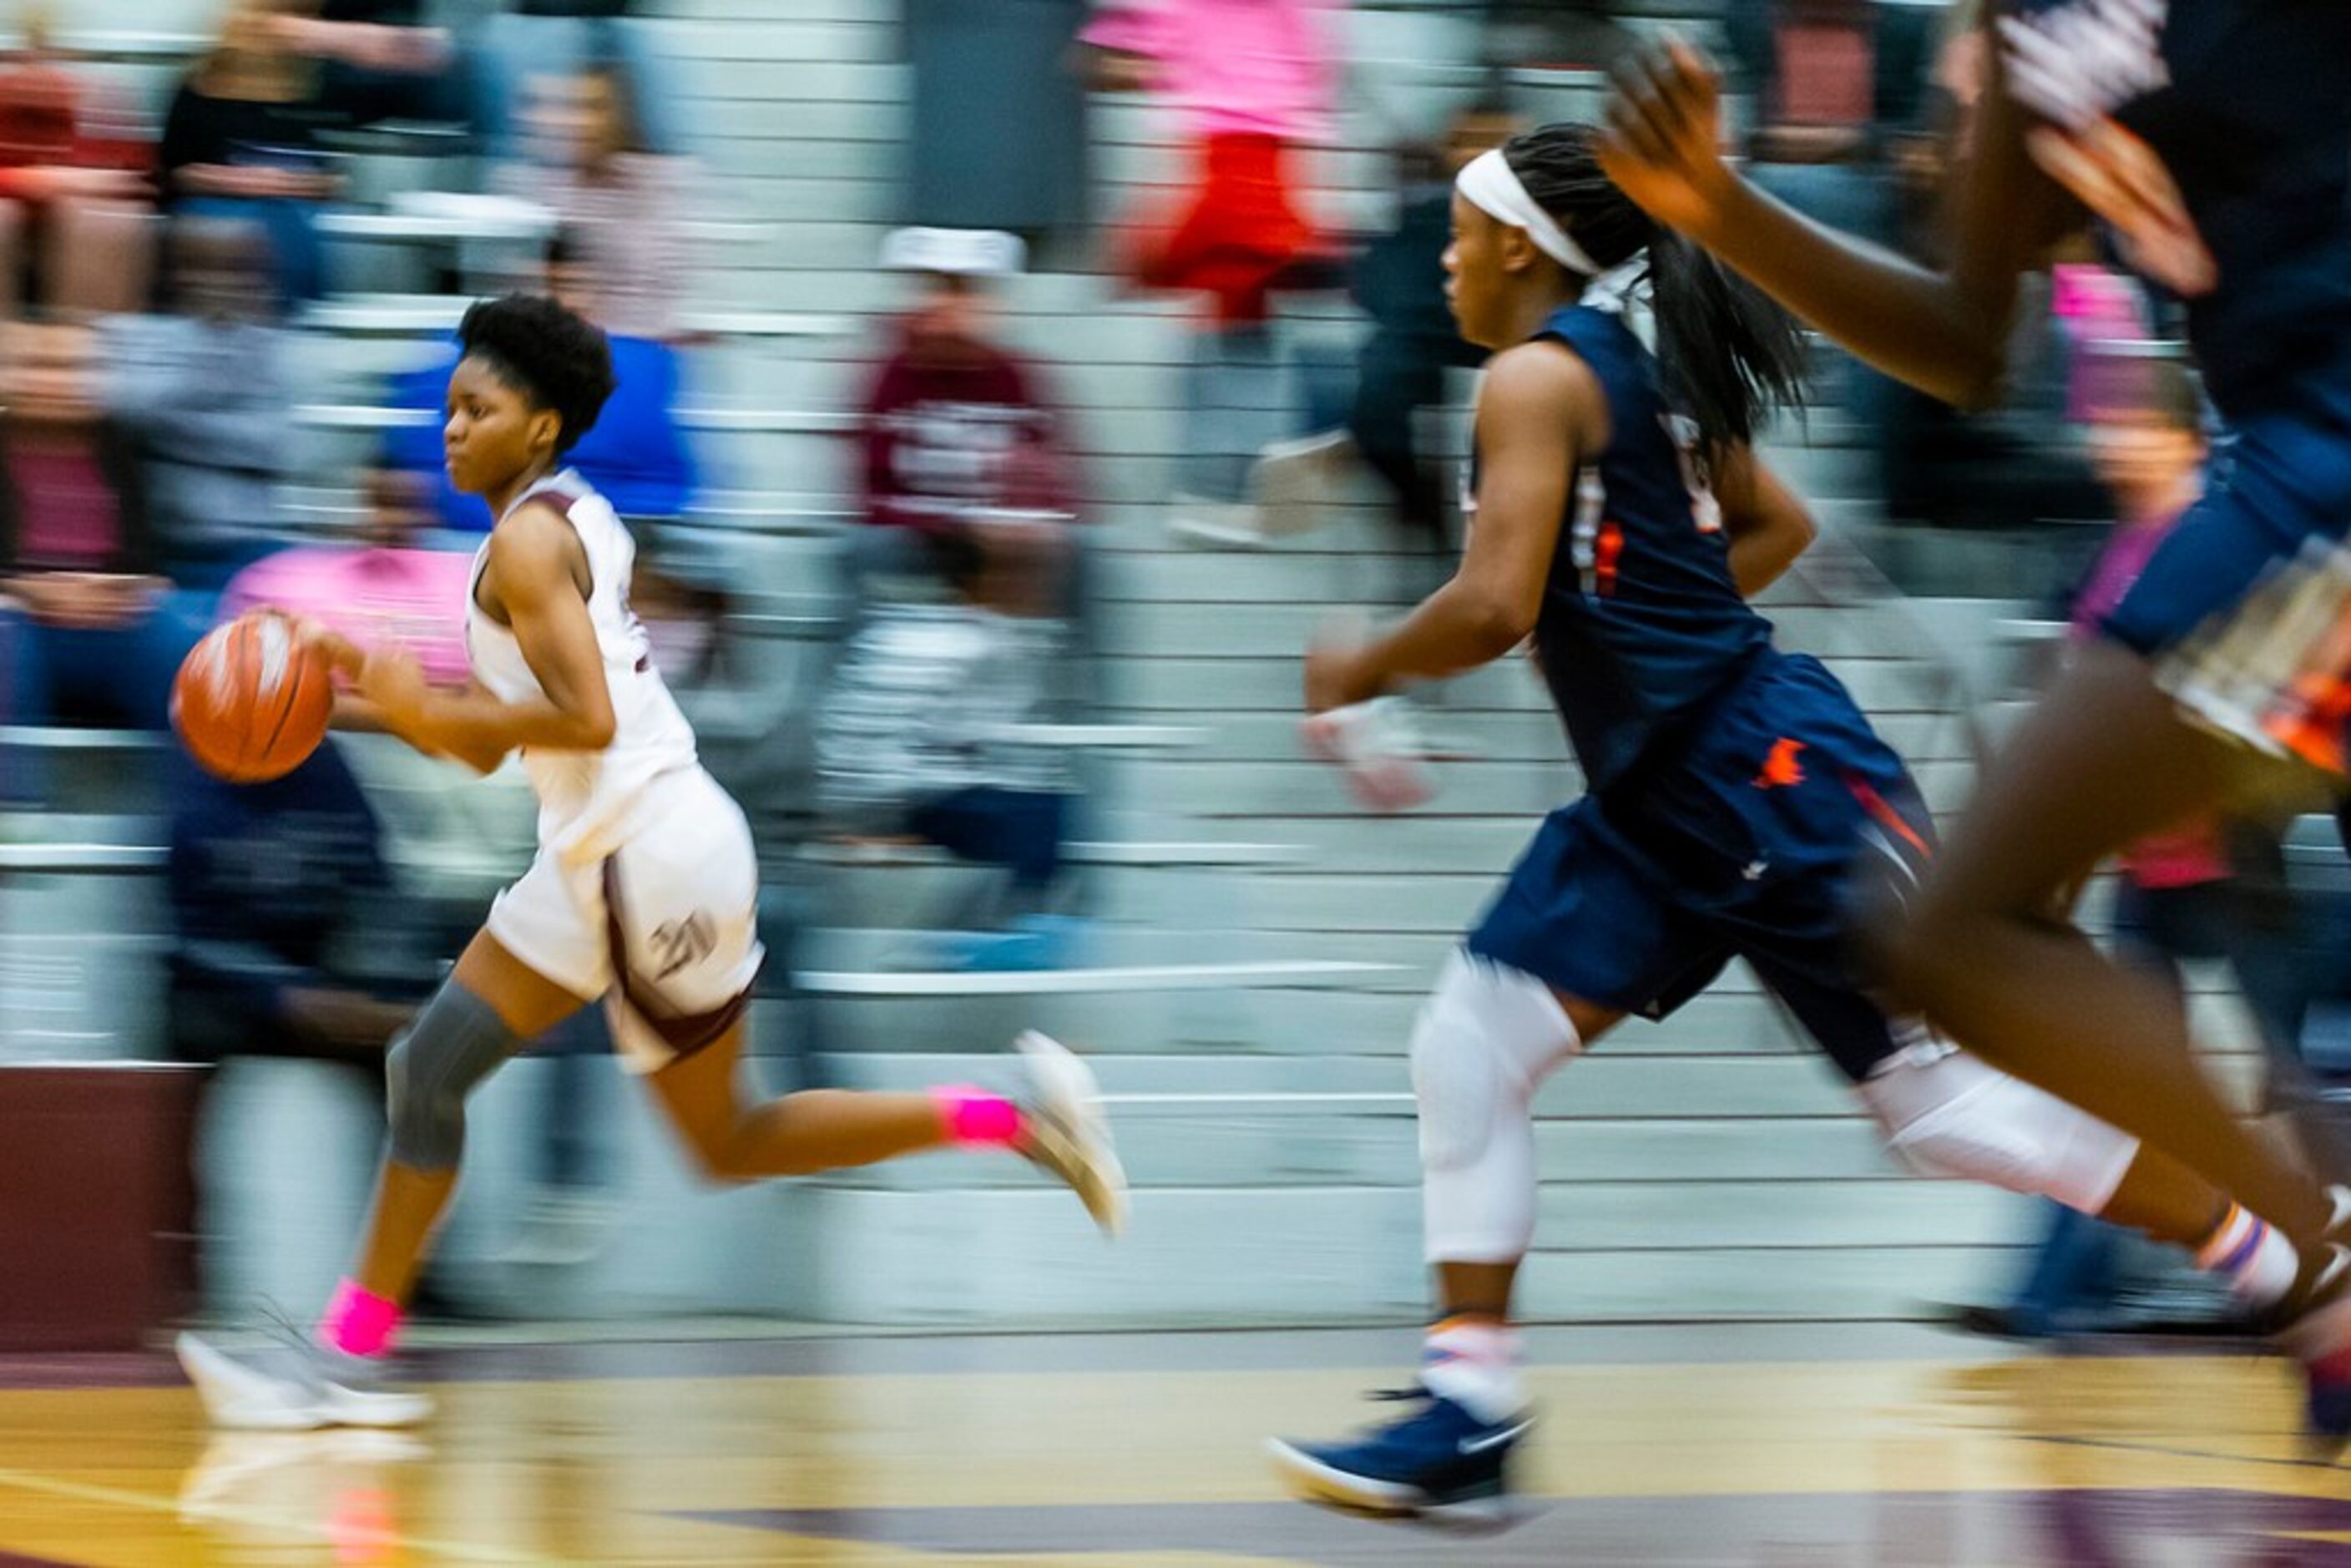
(175, 275)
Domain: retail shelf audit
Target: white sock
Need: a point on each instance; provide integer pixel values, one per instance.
(1475, 1362)
(2259, 1263)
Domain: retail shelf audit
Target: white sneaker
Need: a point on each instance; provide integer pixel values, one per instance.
(561, 1229)
(1216, 525)
(1296, 482)
(314, 1389)
(1067, 1133)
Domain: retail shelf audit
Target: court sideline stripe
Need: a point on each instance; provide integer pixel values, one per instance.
(144, 1502)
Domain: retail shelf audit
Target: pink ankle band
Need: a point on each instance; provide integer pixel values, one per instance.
(359, 1321)
(977, 1118)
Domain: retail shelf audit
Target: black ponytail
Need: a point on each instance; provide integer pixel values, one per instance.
(1728, 355)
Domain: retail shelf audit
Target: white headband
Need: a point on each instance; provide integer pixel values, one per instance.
(1491, 186)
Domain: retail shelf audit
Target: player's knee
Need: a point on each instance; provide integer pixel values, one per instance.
(1485, 1037)
(1950, 1115)
(454, 1043)
(427, 1124)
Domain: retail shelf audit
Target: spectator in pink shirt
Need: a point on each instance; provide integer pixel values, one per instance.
(1230, 67)
(2101, 314)
(1254, 82)
(384, 587)
(2148, 444)
(624, 207)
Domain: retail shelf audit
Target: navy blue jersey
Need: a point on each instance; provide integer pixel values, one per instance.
(2248, 103)
(1641, 622)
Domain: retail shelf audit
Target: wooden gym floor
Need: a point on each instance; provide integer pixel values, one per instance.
(1796, 1447)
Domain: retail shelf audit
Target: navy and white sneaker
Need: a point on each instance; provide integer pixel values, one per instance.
(1439, 1458)
(2320, 1339)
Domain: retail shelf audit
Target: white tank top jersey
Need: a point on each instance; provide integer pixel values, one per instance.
(588, 801)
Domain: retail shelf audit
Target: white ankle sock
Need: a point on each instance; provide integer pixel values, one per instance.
(1475, 1362)
(2259, 1263)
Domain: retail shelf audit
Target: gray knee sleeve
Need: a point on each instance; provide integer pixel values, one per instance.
(457, 1040)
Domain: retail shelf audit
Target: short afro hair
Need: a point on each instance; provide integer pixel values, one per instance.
(552, 356)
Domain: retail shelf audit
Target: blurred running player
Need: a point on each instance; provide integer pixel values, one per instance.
(645, 894)
(2212, 140)
(1623, 521)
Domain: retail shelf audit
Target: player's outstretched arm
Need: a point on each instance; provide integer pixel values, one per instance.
(1945, 332)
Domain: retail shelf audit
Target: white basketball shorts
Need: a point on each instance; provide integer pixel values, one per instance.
(665, 930)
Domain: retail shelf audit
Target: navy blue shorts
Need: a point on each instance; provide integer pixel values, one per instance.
(2241, 606)
(1750, 845)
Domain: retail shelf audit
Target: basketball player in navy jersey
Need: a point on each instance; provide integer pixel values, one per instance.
(1623, 521)
(2212, 140)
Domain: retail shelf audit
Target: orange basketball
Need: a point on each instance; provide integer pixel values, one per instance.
(250, 704)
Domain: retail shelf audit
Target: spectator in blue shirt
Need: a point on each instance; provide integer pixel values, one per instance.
(636, 455)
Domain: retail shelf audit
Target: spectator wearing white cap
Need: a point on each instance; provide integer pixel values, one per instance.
(961, 454)
(967, 491)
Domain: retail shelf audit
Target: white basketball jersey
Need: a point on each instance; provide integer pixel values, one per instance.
(588, 800)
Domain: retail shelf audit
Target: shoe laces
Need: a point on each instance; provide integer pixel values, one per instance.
(1418, 1392)
(1423, 1408)
(306, 1356)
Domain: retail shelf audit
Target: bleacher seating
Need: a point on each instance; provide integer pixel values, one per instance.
(1706, 1167)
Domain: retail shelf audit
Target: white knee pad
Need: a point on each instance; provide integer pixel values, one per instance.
(1486, 1037)
(1948, 1114)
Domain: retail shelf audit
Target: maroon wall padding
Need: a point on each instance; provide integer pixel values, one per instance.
(97, 1204)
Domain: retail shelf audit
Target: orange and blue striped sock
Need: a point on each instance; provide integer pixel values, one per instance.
(1474, 1362)
(2252, 1254)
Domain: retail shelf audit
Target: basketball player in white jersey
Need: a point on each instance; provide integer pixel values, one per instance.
(643, 892)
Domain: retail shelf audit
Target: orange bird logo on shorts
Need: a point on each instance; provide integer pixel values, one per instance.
(1782, 770)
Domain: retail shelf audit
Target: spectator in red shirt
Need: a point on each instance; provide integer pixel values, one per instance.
(961, 449)
(62, 154)
(965, 486)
